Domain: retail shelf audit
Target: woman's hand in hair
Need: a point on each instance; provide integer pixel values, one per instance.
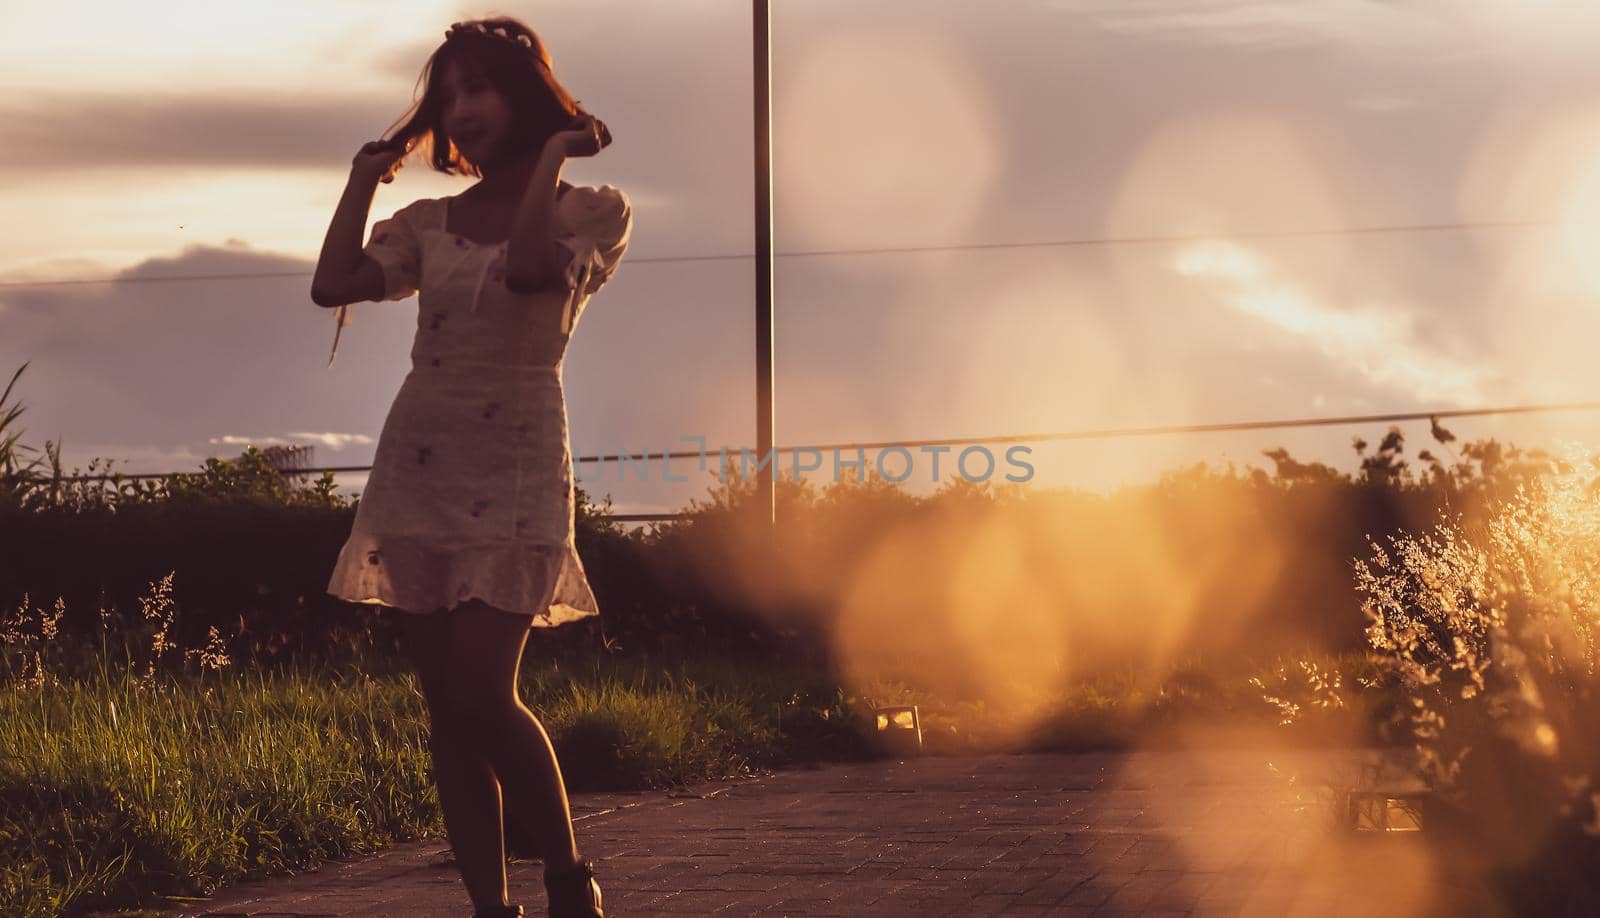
(376, 160)
(587, 136)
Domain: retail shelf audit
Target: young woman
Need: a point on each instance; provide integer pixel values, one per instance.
(466, 522)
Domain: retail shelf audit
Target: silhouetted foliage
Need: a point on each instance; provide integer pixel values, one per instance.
(251, 554)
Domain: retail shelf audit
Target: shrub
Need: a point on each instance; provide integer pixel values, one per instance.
(1491, 633)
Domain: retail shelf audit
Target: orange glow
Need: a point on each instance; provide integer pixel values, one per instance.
(1225, 172)
(885, 127)
(1539, 159)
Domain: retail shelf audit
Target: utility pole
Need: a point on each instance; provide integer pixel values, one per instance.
(765, 511)
(766, 500)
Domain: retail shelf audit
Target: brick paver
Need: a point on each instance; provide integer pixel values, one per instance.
(1143, 834)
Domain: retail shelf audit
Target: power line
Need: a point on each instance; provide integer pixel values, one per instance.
(164, 277)
(887, 250)
(1102, 434)
(1155, 240)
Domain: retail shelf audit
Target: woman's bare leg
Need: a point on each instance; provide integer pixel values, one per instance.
(486, 647)
(469, 794)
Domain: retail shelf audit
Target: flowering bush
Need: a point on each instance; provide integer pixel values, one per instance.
(1490, 631)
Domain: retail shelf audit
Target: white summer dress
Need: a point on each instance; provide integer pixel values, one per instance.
(471, 490)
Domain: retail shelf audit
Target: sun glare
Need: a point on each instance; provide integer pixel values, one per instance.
(886, 131)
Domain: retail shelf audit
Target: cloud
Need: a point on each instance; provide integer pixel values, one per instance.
(1525, 37)
(240, 129)
(1255, 23)
(334, 441)
(1385, 104)
(1376, 343)
(176, 362)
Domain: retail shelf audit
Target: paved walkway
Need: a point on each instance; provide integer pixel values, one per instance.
(1047, 834)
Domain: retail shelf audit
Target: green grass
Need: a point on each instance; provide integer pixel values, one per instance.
(121, 791)
(115, 792)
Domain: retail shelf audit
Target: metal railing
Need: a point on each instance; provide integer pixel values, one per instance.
(1101, 434)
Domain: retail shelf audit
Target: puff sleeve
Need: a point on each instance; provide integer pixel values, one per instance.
(396, 246)
(598, 228)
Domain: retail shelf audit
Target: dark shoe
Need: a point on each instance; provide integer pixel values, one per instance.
(574, 893)
(499, 911)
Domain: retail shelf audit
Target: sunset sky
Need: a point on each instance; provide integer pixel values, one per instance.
(178, 138)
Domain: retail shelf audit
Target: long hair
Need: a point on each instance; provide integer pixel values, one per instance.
(525, 77)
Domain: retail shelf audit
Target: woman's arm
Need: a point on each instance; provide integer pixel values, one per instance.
(532, 257)
(339, 279)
